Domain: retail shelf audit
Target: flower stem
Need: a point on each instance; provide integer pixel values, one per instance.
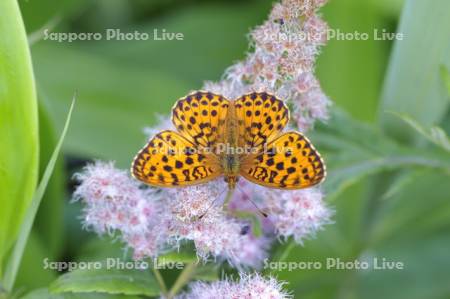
(160, 280)
(183, 279)
(285, 253)
(227, 199)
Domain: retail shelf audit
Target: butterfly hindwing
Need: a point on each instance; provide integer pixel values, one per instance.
(170, 160)
(288, 162)
(261, 117)
(200, 117)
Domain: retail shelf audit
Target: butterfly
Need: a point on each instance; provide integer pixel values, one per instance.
(218, 137)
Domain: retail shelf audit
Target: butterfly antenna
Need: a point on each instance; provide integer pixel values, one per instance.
(212, 204)
(253, 203)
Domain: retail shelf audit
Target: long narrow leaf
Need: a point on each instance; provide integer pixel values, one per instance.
(434, 134)
(352, 70)
(445, 74)
(110, 281)
(19, 141)
(413, 84)
(14, 263)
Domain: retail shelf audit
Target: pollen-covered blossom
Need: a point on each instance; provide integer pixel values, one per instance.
(151, 220)
(199, 217)
(190, 203)
(299, 213)
(292, 213)
(283, 60)
(115, 202)
(224, 238)
(251, 251)
(251, 286)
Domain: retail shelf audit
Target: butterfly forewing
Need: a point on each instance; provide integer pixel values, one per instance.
(261, 117)
(288, 162)
(170, 160)
(200, 117)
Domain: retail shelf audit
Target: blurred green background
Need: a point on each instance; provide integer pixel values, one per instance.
(388, 184)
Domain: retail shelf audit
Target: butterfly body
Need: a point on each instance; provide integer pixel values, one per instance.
(217, 137)
(231, 168)
(230, 157)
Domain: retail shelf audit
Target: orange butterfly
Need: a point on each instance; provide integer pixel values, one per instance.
(231, 138)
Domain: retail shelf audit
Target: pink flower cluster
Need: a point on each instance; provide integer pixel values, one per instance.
(151, 221)
(199, 216)
(292, 213)
(282, 63)
(115, 202)
(249, 287)
(299, 213)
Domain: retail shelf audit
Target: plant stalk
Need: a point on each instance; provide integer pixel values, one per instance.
(183, 279)
(160, 280)
(227, 199)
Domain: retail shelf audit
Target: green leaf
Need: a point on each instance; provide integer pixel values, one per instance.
(351, 153)
(352, 70)
(413, 84)
(207, 272)
(341, 177)
(419, 209)
(399, 183)
(426, 264)
(186, 254)
(45, 294)
(42, 294)
(18, 126)
(425, 273)
(50, 214)
(25, 228)
(391, 8)
(111, 281)
(435, 134)
(445, 75)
